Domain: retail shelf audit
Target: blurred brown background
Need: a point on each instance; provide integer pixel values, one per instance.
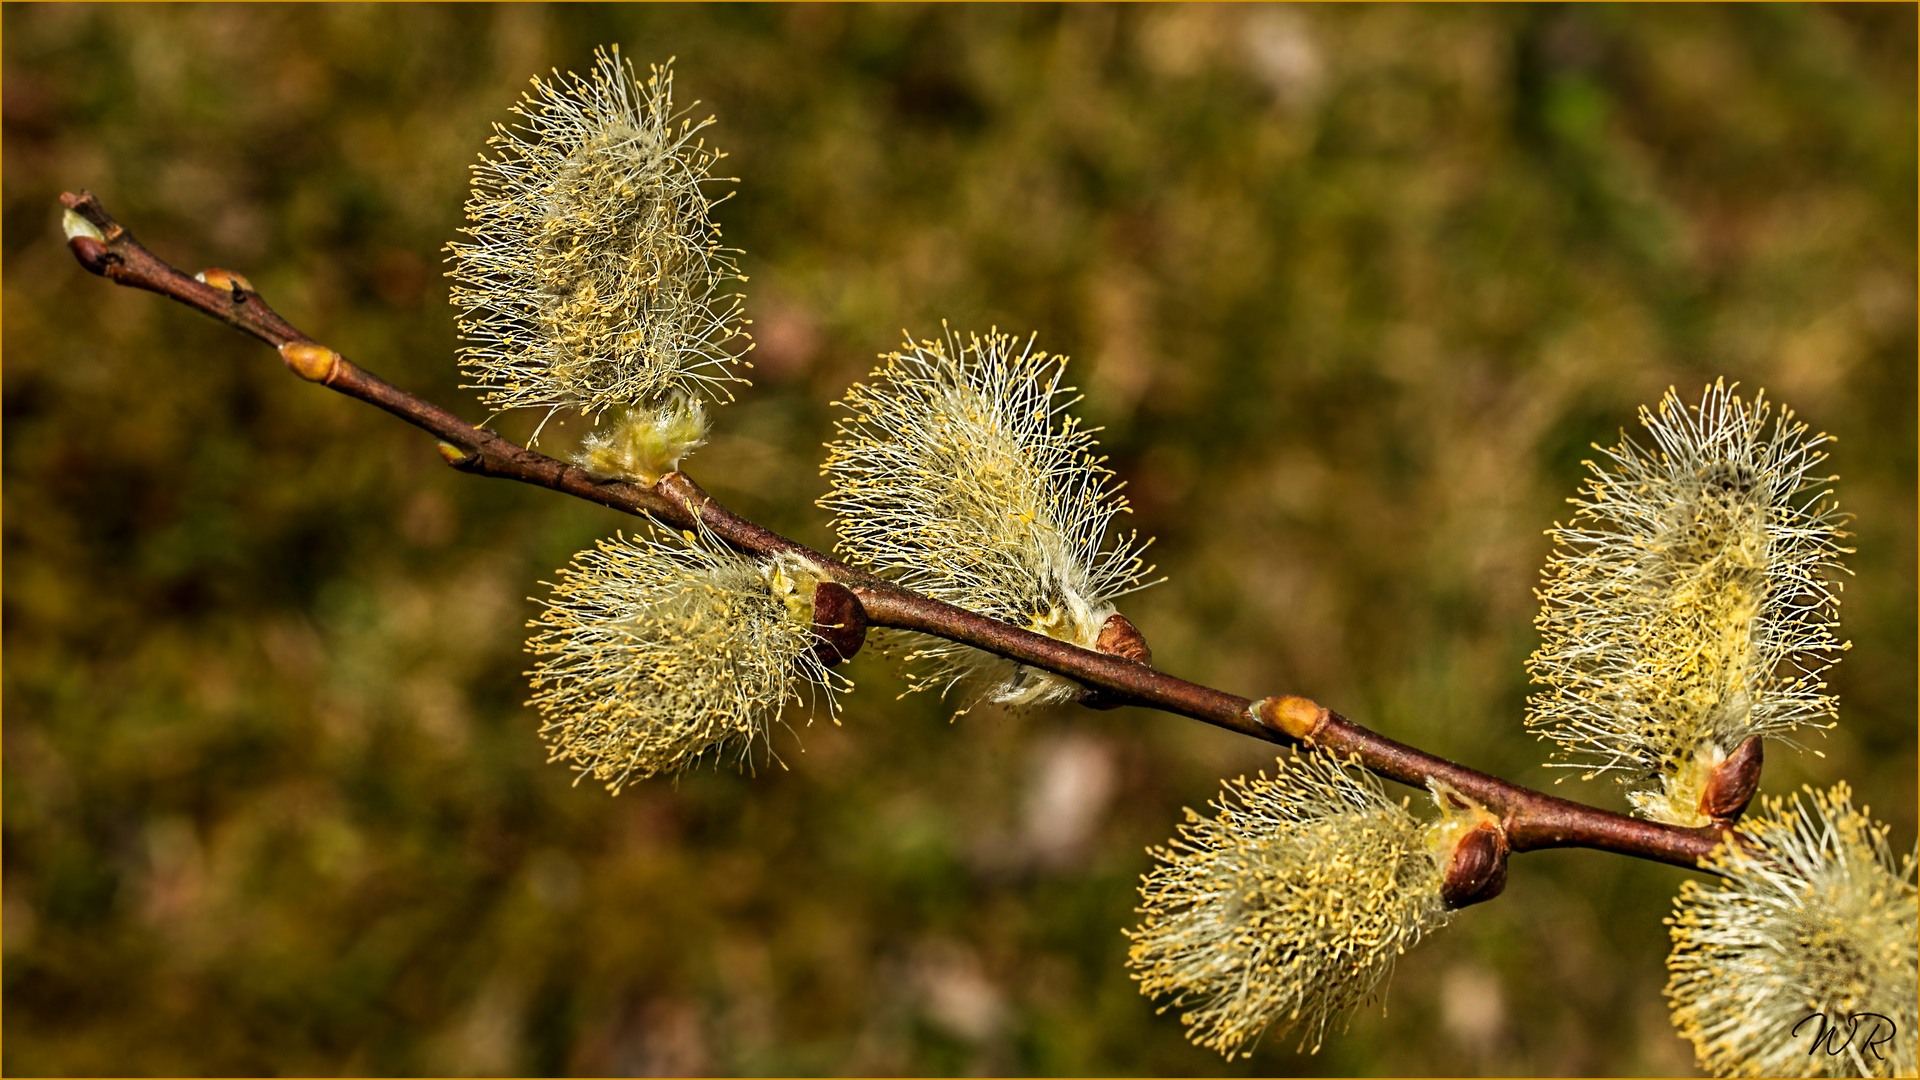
(1352, 290)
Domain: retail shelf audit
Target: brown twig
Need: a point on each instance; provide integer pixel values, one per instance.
(1529, 819)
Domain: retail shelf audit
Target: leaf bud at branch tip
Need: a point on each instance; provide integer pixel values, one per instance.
(76, 226)
(839, 622)
(1296, 717)
(1731, 784)
(85, 240)
(312, 362)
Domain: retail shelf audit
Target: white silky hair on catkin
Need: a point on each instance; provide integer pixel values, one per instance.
(594, 275)
(1692, 601)
(656, 652)
(960, 474)
(1813, 928)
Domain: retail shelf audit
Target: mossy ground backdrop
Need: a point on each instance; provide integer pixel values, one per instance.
(1352, 290)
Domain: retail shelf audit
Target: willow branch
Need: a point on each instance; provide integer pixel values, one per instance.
(1530, 819)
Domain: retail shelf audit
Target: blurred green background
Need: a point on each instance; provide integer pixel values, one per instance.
(1352, 290)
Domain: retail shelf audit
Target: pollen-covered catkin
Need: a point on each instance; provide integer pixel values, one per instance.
(656, 651)
(1812, 929)
(961, 475)
(1289, 906)
(1690, 604)
(595, 274)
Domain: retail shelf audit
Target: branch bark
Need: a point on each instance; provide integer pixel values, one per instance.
(1530, 819)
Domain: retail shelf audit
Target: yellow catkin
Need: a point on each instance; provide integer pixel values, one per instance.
(961, 475)
(645, 443)
(656, 653)
(1288, 907)
(1690, 603)
(1815, 929)
(595, 275)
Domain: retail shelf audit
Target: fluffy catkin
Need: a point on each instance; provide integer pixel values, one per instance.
(960, 474)
(1690, 604)
(1288, 906)
(656, 651)
(1817, 921)
(594, 276)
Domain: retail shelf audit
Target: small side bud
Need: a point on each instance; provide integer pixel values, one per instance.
(237, 284)
(1119, 637)
(314, 363)
(457, 456)
(1731, 784)
(839, 622)
(1477, 871)
(1470, 848)
(1295, 717)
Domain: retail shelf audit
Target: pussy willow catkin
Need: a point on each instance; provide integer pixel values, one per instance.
(1691, 602)
(595, 276)
(961, 474)
(1289, 906)
(658, 652)
(1814, 927)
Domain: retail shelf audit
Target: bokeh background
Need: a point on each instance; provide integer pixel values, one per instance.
(1352, 290)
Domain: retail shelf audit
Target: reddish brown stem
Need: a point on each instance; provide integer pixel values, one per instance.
(1529, 819)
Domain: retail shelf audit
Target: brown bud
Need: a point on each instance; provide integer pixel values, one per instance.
(92, 254)
(839, 622)
(314, 363)
(1477, 869)
(1119, 637)
(1295, 717)
(1732, 783)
